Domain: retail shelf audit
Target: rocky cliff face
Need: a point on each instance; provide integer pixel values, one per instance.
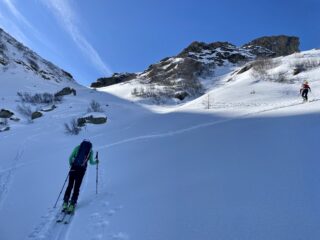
(14, 54)
(280, 45)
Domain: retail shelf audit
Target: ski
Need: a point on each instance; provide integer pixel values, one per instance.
(68, 218)
(61, 217)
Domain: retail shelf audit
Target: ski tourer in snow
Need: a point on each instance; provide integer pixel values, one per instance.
(304, 90)
(78, 166)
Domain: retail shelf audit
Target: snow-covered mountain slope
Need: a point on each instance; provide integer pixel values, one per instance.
(275, 83)
(245, 168)
(22, 70)
(258, 84)
(180, 78)
(14, 55)
(180, 175)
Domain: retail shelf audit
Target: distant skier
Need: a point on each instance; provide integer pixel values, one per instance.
(305, 88)
(78, 166)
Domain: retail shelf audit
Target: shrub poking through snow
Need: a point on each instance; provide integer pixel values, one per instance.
(39, 98)
(208, 102)
(160, 94)
(304, 65)
(4, 122)
(72, 128)
(261, 67)
(25, 111)
(94, 107)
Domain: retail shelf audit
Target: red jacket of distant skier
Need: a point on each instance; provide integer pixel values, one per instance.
(305, 86)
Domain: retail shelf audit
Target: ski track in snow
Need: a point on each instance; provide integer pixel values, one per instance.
(48, 229)
(7, 174)
(203, 125)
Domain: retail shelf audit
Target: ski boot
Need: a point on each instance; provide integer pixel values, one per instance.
(71, 207)
(64, 206)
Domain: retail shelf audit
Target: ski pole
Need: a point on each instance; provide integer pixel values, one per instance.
(55, 205)
(97, 172)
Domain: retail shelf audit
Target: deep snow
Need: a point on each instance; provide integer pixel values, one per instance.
(245, 169)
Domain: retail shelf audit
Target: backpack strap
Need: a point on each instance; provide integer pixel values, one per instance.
(87, 158)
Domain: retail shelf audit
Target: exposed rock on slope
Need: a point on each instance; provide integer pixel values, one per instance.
(14, 53)
(280, 45)
(114, 79)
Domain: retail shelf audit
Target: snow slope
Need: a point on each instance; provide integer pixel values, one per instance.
(244, 169)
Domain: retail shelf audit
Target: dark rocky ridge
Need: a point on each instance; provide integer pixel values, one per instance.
(114, 79)
(281, 45)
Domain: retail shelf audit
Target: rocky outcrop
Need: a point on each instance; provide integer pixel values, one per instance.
(215, 54)
(181, 95)
(281, 45)
(7, 128)
(168, 71)
(114, 79)
(66, 91)
(93, 119)
(201, 48)
(36, 115)
(5, 113)
(4, 60)
(15, 119)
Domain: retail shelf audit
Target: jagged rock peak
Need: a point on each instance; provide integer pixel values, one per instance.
(281, 45)
(198, 47)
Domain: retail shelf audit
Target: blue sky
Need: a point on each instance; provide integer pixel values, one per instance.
(96, 38)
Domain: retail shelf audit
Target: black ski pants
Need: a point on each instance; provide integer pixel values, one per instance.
(75, 179)
(305, 94)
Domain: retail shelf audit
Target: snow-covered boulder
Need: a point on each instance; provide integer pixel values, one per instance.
(93, 118)
(4, 113)
(49, 109)
(36, 115)
(15, 119)
(66, 91)
(4, 129)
